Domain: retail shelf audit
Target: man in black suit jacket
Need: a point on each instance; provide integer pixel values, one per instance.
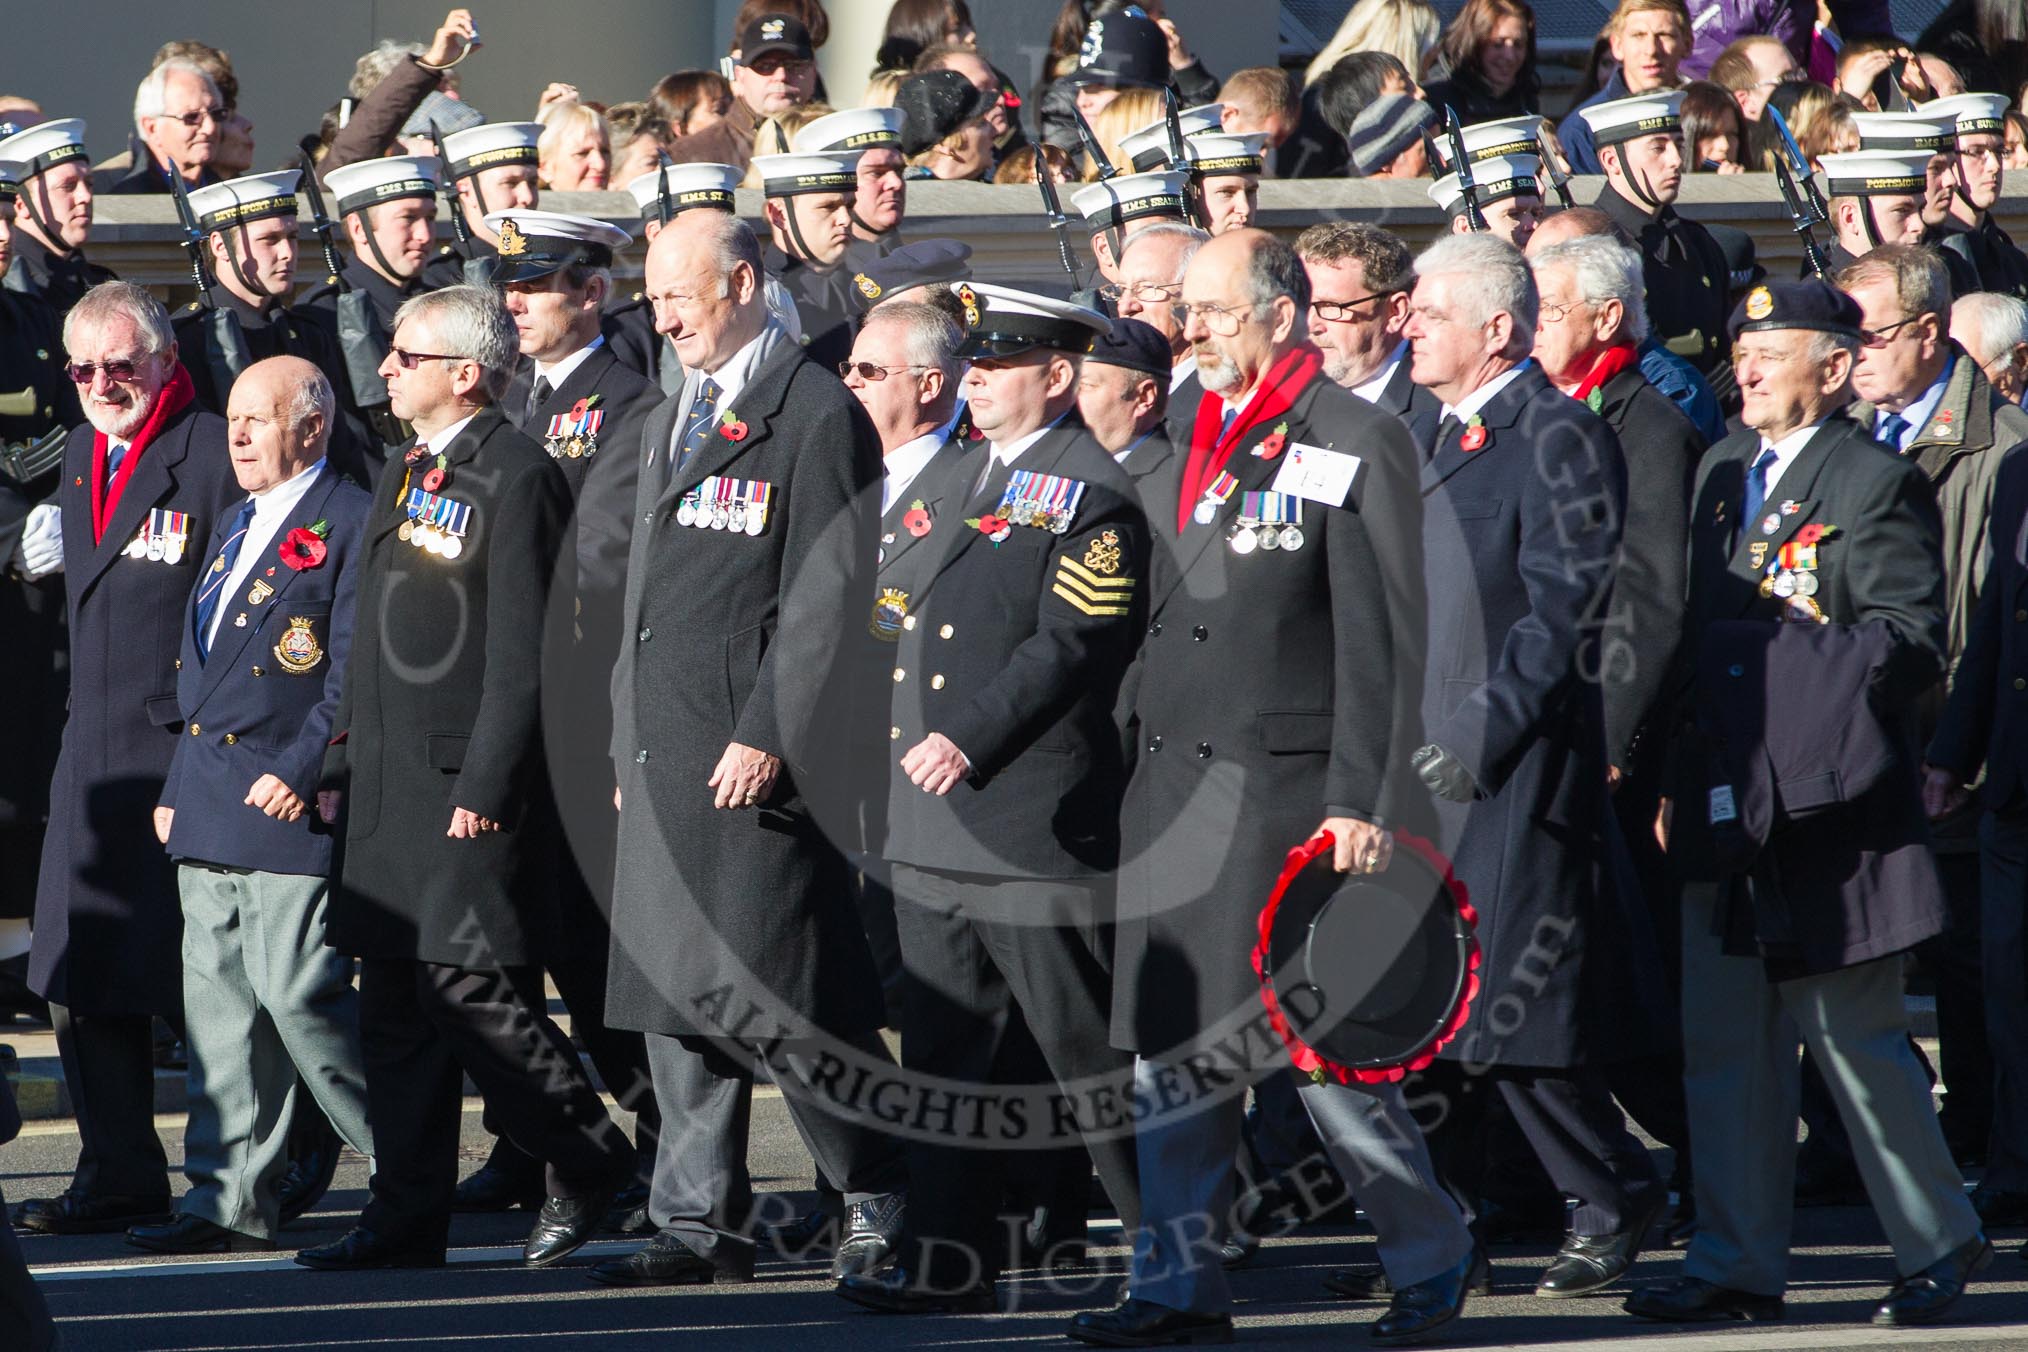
(445, 891)
(1003, 802)
(143, 485)
(586, 410)
(744, 667)
(1523, 500)
(1803, 518)
(1359, 283)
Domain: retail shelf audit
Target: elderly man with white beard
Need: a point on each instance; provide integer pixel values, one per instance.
(143, 484)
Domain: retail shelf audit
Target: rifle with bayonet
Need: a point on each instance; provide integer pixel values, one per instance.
(1059, 224)
(1559, 181)
(1807, 209)
(1092, 148)
(665, 205)
(1179, 158)
(1461, 165)
(361, 338)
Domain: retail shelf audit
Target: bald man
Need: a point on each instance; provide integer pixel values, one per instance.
(265, 637)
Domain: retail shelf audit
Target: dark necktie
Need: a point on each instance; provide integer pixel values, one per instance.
(1756, 489)
(538, 395)
(703, 418)
(1446, 429)
(213, 590)
(115, 455)
(1892, 429)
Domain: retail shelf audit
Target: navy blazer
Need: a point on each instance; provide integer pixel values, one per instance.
(1983, 722)
(263, 702)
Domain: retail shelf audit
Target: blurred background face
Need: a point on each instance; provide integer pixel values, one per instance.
(6, 234)
(235, 153)
(63, 198)
(1350, 324)
(882, 195)
(1648, 47)
(1092, 98)
(119, 407)
(974, 68)
(173, 136)
(402, 230)
(1503, 53)
(267, 253)
(1772, 64)
(966, 153)
(1151, 281)
(774, 83)
(1514, 219)
(583, 161)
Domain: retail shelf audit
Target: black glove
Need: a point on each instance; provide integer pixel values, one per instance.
(1445, 774)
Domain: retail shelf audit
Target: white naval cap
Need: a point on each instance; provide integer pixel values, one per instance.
(1628, 119)
(44, 146)
(853, 129)
(1215, 153)
(536, 243)
(1875, 173)
(1973, 113)
(1488, 140)
(238, 201)
(488, 147)
(1903, 131)
(1147, 148)
(696, 184)
(1202, 118)
(1012, 322)
(1130, 197)
(794, 175)
(370, 182)
(1493, 179)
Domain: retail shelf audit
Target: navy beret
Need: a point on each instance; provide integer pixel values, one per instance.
(1136, 345)
(1808, 304)
(915, 264)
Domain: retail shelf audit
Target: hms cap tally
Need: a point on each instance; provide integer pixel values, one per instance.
(1622, 120)
(371, 182)
(691, 185)
(241, 201)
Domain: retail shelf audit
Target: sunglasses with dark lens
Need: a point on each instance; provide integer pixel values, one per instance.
(197, 118)
(81, 373)
(410, 360)
(868, 371)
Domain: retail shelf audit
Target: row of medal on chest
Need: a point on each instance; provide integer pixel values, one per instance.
(1266, 520)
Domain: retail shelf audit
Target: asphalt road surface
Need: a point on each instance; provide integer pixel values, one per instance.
(111, 1298)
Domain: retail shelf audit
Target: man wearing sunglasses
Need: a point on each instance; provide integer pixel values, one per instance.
(772, 69)
(144, 482)
(178, 112)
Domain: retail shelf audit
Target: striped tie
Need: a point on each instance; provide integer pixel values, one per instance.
(703, 420)
(214, 581)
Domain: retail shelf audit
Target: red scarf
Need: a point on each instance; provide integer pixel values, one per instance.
(1611, 362)
(1275, 395)
(175, 396)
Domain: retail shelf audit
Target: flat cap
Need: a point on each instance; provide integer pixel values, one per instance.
(1384, 128)
(1807, 304)
(1136, 345)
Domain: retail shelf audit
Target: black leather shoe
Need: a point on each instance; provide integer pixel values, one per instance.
(872, 1228)
(812, 1235)
(360, 1249)
(1426, 1306)
(667, 1261)
(1143, 1323)
(1370, 1282)
(493, 1189)
(563, 1225)
(194, 1234)
(1925, 1297)
(73, 1213)
(1588, 1263)
(307, 1179)
(1690, 1300)
(896, 1291)
(1999, 1209)
(628, 1215)
(1237, 1252)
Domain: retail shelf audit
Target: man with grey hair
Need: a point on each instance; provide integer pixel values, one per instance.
(265, 999)
(144, 483)
(446, 891)
(1924, 398)
(1524, 498)
(1152, 263)
(1360, 277)
(178, 114)
(1994, 329)
(1815, 563)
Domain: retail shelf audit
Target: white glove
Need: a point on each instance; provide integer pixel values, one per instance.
(39, 552)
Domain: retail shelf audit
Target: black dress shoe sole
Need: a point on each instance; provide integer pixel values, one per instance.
(688, 1277)
(1209, 1336)
(105, 1225)
(1716, 1314)
(236, 1244)
(1414, 1335)
(1933, 1314)
(394, 1260)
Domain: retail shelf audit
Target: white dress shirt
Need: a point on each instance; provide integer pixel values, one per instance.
(737, 371)
(1371, 390)
(1482, 396)
(446, 435)
(560, 371)
(1785, 450)
(899, 466)
(1181, 372)
(1009, 453)
(272, 506)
